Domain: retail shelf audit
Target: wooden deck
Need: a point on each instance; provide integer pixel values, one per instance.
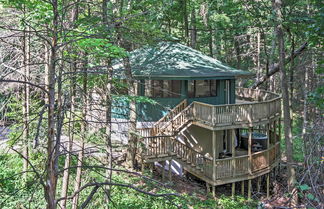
(227, 170)
(259, 107)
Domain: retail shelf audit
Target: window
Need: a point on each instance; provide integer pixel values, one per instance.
(202, 88)
(163, 88)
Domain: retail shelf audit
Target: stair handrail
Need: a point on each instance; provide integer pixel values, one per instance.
(176, 110)
(171, 122)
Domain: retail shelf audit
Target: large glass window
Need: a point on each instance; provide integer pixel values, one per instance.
(202, 88)
(162, 88)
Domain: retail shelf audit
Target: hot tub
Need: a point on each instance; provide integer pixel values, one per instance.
(256, 138)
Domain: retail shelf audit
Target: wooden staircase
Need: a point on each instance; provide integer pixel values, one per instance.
(161, 142)
(168, 147)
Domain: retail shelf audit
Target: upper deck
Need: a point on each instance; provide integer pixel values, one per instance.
(256, 107)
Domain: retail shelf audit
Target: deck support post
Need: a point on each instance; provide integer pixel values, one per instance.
(170, 170)
(258, 183)
(163, 171)
(233, 189)
(275, 131)
(242, 188)
(250, 151)
(279, 130)
(214, 191)
(207, 188)
(143, 165)
(268, 185)
(233, 137)
(214, 155)
(249, 188)
(152, 168)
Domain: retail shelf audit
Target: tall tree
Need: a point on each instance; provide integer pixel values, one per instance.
(277, 6)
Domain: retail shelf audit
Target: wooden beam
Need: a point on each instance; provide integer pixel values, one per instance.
(268, 143)
(233, 189)
(268, 185)
(214, 191)
(250, 151)
(214, 155)
(242, 188)
(249, 189)
(163, 171)
(258, 183)
(143, 165)
(233, 152)
(170, 170)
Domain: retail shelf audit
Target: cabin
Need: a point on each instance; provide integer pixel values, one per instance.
(201, 121)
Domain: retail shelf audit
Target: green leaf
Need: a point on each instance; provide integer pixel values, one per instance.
(310, 196)
(304, 187)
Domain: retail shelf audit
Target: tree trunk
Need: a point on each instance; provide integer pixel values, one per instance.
(305, 115)
(52, 148)
(185, 20)
(193, 32)
(132, 138)
(259, 70)
(237, 51)
(84, 129)
(277, 4)
(108, 127)
(66, 173)
(26, 55)
(108, 100)
(291, 77)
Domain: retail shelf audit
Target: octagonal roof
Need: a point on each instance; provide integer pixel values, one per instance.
(169, 60)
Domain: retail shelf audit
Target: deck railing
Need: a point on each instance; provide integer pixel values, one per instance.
(234, 114)
(159, 146)
(260, 161)
(160, 124)
(261, 106)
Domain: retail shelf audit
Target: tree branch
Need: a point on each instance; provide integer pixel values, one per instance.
(275, 68)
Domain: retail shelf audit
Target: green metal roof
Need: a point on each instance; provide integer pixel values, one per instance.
(168, 60)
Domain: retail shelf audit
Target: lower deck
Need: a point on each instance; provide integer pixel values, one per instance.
(213, 171)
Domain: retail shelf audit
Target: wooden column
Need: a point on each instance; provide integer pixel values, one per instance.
(249, 189)
(207, 188)
(269, 138)
(233, 160)
(268, 185)
(214, 191)
(214, 155)
(163, 170)
(242, 188)
(258, 183)
(250, 151)
(233, 152)
(152, 168)
(170, 170)
(279, 123)
(143, 165)
(274, 131)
